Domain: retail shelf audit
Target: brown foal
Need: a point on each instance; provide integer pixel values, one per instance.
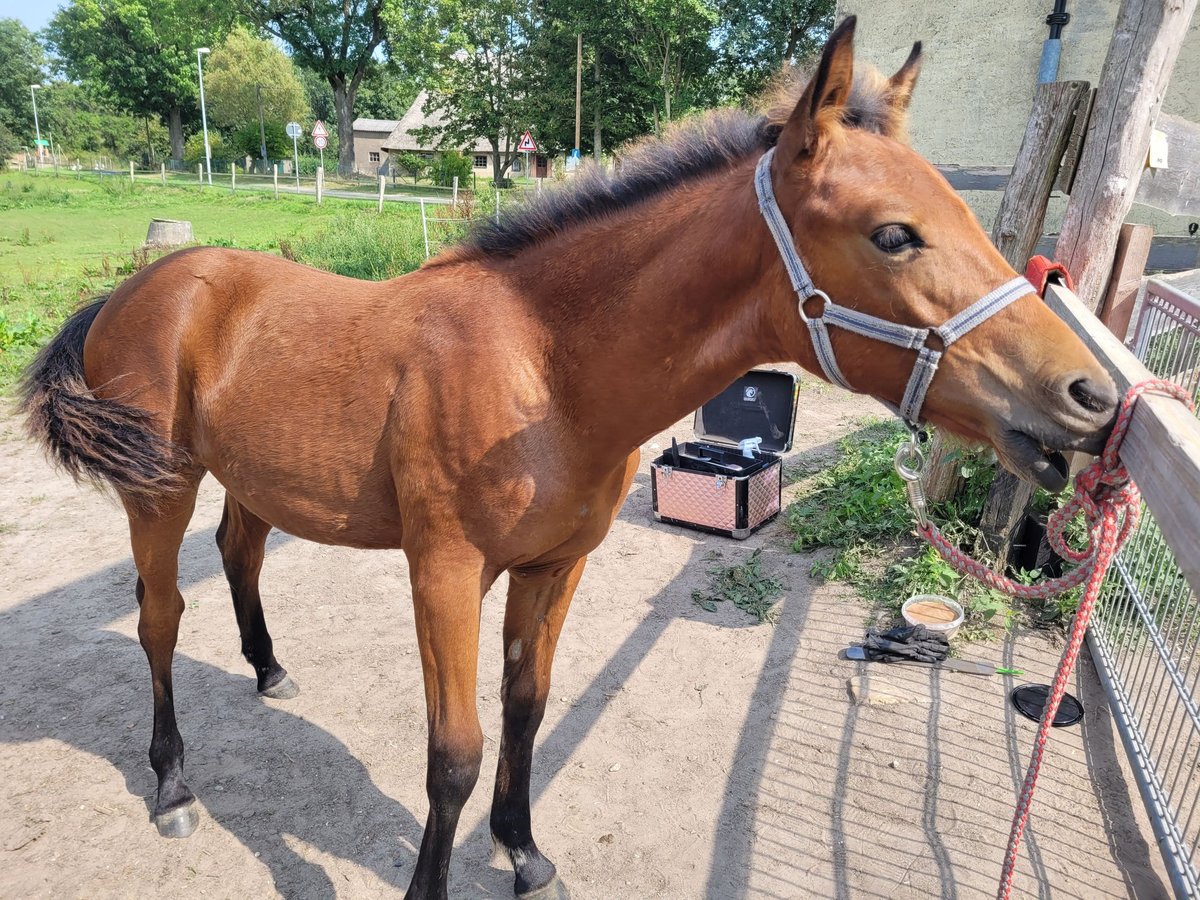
(484, 413)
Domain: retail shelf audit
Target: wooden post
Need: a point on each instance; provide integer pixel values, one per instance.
(233, 178)
(453, 199)
(275, 179)
(1134, 79)
(382, 182)
(1133, 249)
(200, 173)
(131, 171)
(497, 206)
(425, 227)
(162, 172)
(320, 184)
(1015, 233)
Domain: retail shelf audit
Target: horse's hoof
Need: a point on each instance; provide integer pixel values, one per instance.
(283, 689)
(554, 890)
(179, 822)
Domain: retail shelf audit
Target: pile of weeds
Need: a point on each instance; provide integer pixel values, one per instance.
(742, 584)
(857, 507)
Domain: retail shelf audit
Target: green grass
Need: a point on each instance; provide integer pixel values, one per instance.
(65, 239)
(857, 507)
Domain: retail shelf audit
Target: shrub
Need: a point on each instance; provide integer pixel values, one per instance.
(451, 165)
(374, 247)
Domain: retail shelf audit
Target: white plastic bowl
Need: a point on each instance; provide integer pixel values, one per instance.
(947, 629)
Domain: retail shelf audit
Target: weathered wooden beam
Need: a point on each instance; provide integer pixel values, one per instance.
(1162, 446)
(1134, 79)
(1070, 162)
(1015, 233)
(1133, 249)
(1175, 189)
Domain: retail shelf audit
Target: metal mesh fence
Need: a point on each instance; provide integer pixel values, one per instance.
(1145, 631)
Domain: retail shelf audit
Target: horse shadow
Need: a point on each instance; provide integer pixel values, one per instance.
(90, 690)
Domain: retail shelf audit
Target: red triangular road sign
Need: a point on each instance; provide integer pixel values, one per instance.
(319, 130)
(527, 145)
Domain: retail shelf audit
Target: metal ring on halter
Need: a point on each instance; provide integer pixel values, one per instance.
(817, 292)
(907, 454)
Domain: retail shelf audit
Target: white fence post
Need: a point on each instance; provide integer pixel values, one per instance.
(162, 171)
(453, 199)
(382, 182)
(233, 178)
(538, 190)
(497, 206)
(200, 173)
(320, 183)
(275, 179)
(131, 171)
(425, 227)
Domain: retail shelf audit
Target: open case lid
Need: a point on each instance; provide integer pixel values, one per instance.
(762, 403)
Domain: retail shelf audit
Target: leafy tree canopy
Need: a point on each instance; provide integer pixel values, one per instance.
(140, 53)
(236, 71)
(21, 64)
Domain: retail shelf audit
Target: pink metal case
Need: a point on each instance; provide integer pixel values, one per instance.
(730, 504)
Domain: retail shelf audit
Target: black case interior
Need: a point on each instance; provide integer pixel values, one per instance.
(762, 403)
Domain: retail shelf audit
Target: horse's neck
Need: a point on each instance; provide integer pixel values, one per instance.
(657, 310)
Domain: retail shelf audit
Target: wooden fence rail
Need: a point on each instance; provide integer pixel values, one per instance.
(1162, 446)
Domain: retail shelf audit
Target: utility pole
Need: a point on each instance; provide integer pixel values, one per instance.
(262, 131)
(578, 83)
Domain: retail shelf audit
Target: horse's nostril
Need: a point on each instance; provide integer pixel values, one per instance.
(1094, 396)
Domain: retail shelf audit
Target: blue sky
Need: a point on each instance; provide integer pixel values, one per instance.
(34, 13)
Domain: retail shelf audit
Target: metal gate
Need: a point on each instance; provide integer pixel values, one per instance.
(1145, 632)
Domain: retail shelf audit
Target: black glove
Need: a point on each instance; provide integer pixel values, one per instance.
(906, 642)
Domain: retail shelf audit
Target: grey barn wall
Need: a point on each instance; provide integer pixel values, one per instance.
(980, 72)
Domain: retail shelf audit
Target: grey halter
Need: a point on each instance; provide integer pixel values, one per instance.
(871, 326)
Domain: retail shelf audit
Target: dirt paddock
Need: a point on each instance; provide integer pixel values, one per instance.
(684, 754)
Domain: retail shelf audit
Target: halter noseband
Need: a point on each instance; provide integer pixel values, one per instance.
(872, 326)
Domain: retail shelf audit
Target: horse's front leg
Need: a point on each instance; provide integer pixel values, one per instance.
(448, 590)
(533, 617)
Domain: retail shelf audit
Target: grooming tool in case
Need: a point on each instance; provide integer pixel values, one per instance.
(728, 481)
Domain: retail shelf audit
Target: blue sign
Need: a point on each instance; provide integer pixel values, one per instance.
(575, 153)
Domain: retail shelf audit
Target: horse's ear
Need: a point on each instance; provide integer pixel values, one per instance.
(828, 91)
(902, 83)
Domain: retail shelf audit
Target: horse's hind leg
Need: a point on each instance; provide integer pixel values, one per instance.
(242, 538)
(156, 536)
(533, 617)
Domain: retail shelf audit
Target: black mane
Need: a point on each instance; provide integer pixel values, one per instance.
(699, 146)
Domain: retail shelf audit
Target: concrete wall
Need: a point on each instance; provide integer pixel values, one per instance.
(366, 143)
(980, 71)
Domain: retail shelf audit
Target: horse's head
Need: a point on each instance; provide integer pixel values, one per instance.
(882, 233)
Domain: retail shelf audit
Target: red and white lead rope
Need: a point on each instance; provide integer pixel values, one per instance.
(1111, 504)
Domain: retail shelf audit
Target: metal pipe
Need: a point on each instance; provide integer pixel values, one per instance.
(1052, 46)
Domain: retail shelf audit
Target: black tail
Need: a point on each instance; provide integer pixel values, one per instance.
(102, 441)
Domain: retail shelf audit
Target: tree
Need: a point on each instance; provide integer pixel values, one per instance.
(338, 41)
(478, 84)
(141, 53)
(671, 41)
(82, 121)
(21, 64)
(239, 70)
(756, 37)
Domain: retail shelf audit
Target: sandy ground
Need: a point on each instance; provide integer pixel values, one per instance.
(685, 753)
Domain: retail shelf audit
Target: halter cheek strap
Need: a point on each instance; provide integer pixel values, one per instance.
(871, 326)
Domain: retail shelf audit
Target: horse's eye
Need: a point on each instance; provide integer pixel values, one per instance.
(894, 238)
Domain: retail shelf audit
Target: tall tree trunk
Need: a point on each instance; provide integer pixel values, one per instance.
(597, 148)
(175, 127)
(343, 104)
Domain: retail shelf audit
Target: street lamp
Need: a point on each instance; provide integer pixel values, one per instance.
(37, 145)
(203, 114)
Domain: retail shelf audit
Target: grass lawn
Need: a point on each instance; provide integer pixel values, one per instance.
(65, 239)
